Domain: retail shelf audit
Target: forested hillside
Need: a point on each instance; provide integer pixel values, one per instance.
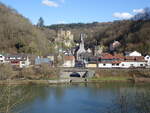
(18, 35)
(132, 34)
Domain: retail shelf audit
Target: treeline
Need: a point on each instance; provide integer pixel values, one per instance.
(18, 35)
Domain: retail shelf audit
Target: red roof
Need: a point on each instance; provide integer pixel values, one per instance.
(106, 56)
(134, 58)
(111, 62)
(69, 58)
(109, 56)
(118, 58)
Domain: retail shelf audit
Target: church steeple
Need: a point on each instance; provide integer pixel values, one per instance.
(81, 47)
(82, 42)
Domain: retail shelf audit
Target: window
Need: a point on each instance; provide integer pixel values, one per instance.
(117, 64)
(1, 56)
(132, 65)
(104, 64)
(122, 64)
(113, 64)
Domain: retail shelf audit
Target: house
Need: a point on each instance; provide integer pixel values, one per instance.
(114, 46)
(18, 60)
(110, 61)
(2, 58)
(91, 65)
(135, 53)
(147, 58)
(133, 61)
(120, 61)
(51, 57)
(40, 60)
(109, 64)
(69, 61)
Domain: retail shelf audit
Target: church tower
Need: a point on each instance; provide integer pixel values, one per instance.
(81, 47)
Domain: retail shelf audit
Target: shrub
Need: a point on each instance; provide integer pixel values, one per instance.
(6, 71)
(28, 73)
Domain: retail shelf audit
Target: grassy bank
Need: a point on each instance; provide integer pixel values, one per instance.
(111, 79)
(22, 82)
(40, 72)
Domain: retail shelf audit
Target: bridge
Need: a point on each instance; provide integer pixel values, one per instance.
(76, 72)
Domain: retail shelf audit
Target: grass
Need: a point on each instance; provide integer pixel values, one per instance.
(110, 78)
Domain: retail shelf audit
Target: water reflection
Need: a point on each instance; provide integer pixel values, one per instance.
(83, 98)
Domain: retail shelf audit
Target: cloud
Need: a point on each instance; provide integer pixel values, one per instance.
(124, 15)
(50, 3)
(138, 10)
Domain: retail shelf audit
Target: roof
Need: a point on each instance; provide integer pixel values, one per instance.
(42, 60)
(135, 58)
(16, 57)
(111, 62)
(69, 58)
(109, 56)
(118, 58)
(135, 53)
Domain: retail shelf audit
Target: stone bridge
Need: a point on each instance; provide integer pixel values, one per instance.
(84, 73)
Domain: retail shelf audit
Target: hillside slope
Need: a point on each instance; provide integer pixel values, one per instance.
(18, 35)
(133, 35)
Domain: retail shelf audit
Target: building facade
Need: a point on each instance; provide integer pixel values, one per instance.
(18, 60)
(2, 58)
(69, 61)
(81, 49)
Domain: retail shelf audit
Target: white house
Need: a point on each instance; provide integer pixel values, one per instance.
(117, 61)
(105, 65)
(25, 63)
(2, 58)
(130, 64)
(135, 53)
(18, 60)
(122, 64)
(69, 61)
(147, 58)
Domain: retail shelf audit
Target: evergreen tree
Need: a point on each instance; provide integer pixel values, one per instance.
(40, 22)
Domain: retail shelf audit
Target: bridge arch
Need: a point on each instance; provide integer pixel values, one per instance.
(75, 74)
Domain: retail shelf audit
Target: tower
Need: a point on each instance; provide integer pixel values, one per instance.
(81, 47)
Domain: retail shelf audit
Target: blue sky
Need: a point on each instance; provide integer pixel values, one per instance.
(74, 11)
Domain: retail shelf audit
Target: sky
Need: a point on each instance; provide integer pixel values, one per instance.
(76, 11)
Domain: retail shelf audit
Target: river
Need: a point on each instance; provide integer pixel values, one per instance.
(76, 98)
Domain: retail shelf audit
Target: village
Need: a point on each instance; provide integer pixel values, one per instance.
(80, 57)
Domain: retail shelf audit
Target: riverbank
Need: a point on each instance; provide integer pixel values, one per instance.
(56, 81)
(111, 79)
(47, 75)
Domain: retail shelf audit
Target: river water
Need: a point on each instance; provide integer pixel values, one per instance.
(78, 98)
